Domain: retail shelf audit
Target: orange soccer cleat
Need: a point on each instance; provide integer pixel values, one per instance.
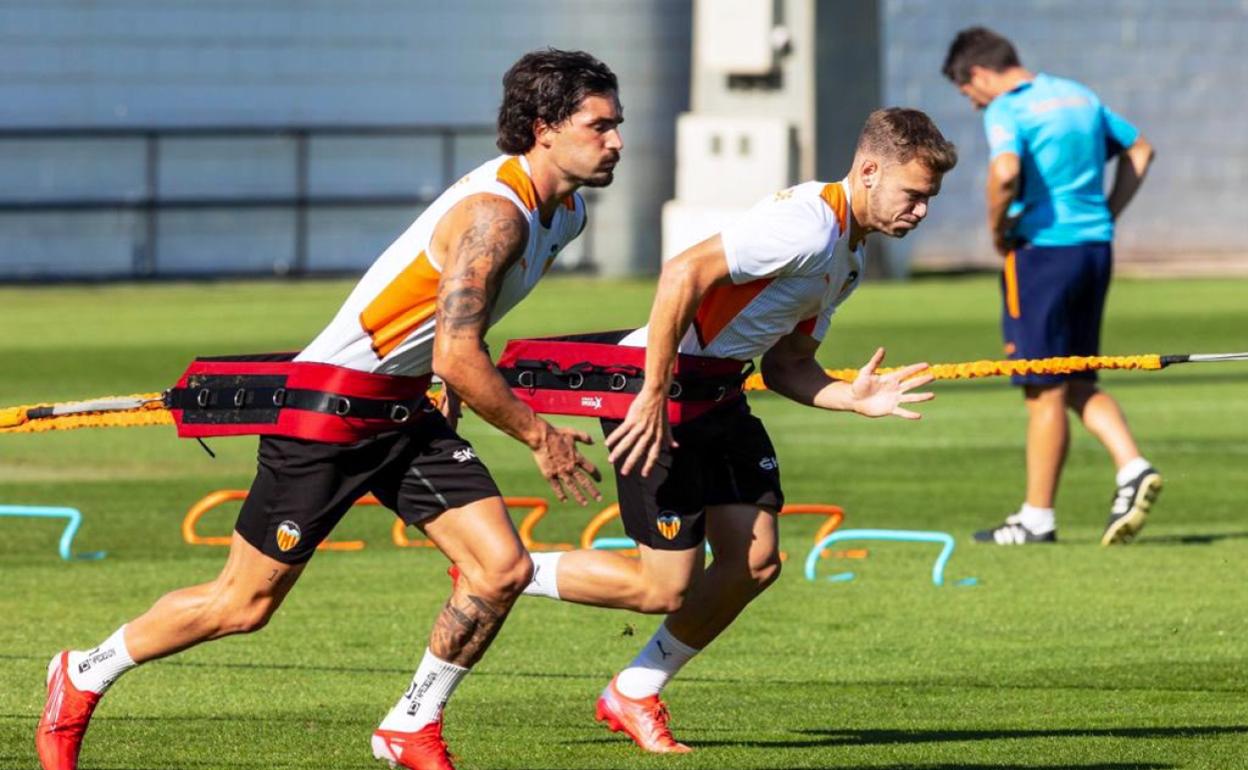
(644, 720)
(421, 750)
(58, 739)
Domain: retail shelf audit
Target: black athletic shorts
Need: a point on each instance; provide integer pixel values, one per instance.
(724, 457)
(304, 488)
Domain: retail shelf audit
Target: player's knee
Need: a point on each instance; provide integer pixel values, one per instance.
(243, 617)
(664, 600)
(503, 582)
(752, 576)
(765, 571)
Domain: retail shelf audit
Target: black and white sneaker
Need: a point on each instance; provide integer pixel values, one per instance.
(1131, 504)
(1012, 532)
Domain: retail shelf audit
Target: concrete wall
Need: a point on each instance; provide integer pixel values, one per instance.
(273, 62)
(1176, 69)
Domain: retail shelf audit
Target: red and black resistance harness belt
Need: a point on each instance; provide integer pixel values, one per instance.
(272, 394)
(560, 375)
(592, 375)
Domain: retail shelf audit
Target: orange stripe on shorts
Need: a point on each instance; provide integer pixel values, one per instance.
(1012, 305)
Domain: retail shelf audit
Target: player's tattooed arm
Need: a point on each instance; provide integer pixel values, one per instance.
(490, 239)
(484, 237)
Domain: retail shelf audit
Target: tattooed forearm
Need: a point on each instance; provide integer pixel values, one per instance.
(465, 629)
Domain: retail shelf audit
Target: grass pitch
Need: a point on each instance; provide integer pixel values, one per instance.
(1070, 656)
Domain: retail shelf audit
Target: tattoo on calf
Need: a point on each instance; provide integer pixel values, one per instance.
(465, 628)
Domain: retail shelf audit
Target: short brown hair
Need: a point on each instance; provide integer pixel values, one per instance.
(978, 47)
(549, 85)
(903, 134)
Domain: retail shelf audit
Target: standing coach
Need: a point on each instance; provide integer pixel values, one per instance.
(1049, 140)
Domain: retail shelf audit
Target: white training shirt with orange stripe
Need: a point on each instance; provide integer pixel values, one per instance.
(786, 275)
(387, 323)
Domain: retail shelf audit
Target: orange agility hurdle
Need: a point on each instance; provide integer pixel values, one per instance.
(213, 499)
(398, 533)
(834, 516)
(590, 533)
(537, 510)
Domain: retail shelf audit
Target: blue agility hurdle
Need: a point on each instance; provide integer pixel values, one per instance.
(895, 535)
(74, 521)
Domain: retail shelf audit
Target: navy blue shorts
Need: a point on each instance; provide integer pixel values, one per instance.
(1053, 300)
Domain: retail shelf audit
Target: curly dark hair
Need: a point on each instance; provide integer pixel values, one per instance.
(904, 134)
(547, 85)
(978, 47)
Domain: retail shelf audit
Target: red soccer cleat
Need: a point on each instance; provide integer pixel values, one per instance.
(421, 750)
(644, 720)
(58, 739)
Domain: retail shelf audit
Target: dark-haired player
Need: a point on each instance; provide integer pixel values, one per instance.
(424, 306)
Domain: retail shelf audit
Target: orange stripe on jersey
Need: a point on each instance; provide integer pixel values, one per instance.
(834, 195)
(722, 304)
(407, 302)
(511, 173)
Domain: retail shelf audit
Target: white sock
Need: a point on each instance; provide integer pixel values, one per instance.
(545, 565)
(96, 670)
(432, 685)
(662, 657)
(1038, 520)
(1132, 469)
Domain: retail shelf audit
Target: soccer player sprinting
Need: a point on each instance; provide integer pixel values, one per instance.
(423, 306)
(1049, 139)
(766, 286)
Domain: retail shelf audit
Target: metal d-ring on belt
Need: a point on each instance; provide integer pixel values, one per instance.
(223, 398)
(546, 374)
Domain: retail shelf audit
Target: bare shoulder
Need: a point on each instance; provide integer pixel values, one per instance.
(480, 238)
(484, 222)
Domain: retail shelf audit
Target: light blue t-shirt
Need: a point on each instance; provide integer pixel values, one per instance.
(1063, 136)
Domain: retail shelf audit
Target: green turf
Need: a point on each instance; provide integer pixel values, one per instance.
(1070, 656)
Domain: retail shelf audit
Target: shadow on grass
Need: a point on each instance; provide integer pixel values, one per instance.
(891, 737)
(1096, 678)
(1098, 766)
(1190, 539)
(847, 738)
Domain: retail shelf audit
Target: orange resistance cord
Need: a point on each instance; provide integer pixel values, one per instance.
(14, 419)
(974, 369)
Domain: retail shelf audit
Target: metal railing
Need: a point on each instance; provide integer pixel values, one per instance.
(150, 201)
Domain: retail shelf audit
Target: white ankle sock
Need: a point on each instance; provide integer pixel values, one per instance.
(1132, 469)
(1038, 520)
(545, 566)
(432, 685)
(96, 670)
(662, 657)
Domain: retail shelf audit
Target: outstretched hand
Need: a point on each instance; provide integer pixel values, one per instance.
(881, 395)
(643, 434)
(566, 469)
